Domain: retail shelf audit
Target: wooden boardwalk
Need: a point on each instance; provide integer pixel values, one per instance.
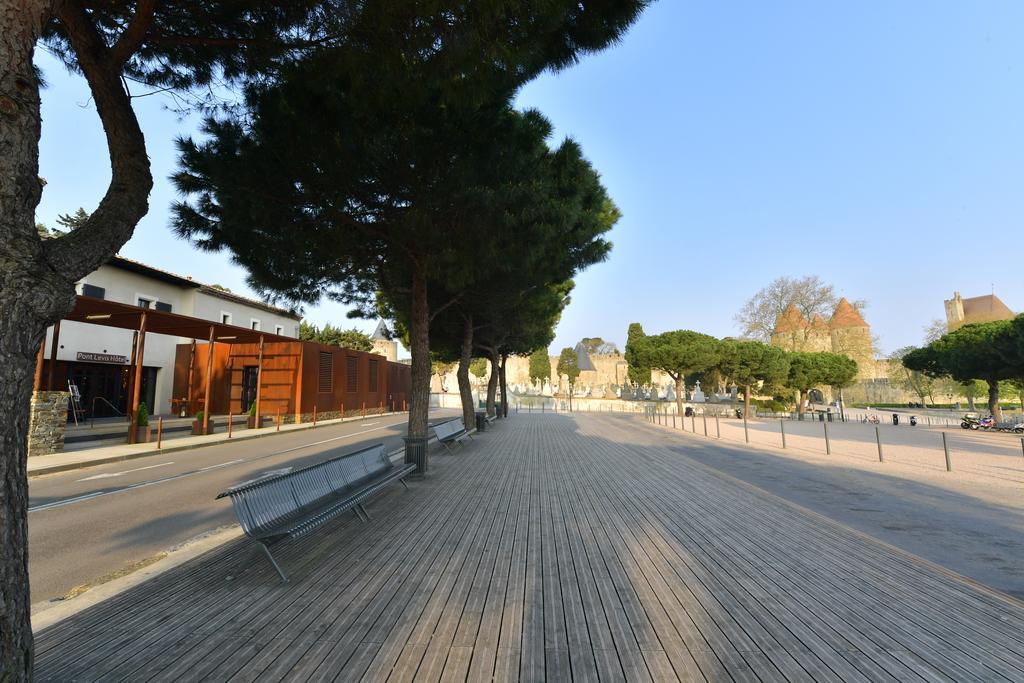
(555, 548)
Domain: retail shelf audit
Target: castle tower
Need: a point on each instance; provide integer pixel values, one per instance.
(790, 331)
(976, 309)
(382, 345)
(851, 335)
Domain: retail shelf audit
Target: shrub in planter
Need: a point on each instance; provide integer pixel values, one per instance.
(197, 425)
(142, 428)
(251, 420)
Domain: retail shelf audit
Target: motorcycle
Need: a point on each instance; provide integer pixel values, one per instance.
(913, 420)
(986, 423)
(969, 422)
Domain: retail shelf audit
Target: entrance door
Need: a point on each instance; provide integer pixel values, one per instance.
(250, 375)
(102, 388)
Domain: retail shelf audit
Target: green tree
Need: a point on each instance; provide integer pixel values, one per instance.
(336, 336)
(478, 367)
(637, 373)
(540, 366)
(596, 345)
(1013, 388)
(808, 370)
(568, 367)
(747, 363)
(980, 351)
(678, 353)
(972, 390)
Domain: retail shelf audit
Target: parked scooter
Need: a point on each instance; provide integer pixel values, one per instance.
(913, 420)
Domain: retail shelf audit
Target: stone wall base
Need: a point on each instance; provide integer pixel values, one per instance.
(48, 421)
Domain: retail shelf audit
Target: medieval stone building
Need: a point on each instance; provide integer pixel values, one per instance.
(976, 309)
(846, 333)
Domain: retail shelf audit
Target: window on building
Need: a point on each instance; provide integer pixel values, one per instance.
(225, 318)
(162, 306)
(278, 329)
(326, 372)
(371, 380)
(94, 291)
(351, 376)
(255, 324)
(144, 303)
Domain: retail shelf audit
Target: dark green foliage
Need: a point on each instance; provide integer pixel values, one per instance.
(596, 345)
(540, 365)
(637, 373)
(142, 415)
(808, 370)
(748, 363)
(991, 352)
(678, 353)
(568, 367)
(336, 336)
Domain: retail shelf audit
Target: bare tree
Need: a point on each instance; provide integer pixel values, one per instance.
(809, 294)
(934, 329)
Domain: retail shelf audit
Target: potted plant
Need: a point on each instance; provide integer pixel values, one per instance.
(197, 425)
(252, 421)
(142, 428)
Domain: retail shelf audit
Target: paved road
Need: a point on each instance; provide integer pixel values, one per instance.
(86, 524)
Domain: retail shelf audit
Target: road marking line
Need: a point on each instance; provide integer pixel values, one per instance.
(223, 464)
(132, 487)
(118, 474)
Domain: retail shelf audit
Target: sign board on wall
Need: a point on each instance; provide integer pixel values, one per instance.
(100, 357)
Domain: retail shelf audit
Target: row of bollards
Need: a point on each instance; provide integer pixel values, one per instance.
(660, 417)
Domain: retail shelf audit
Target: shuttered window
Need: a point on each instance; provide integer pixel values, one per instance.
(372, 379)
(162, 306)
(351, 376)
(94, 291)
(326, 372)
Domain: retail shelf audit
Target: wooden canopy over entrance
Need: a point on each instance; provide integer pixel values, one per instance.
(145, 321)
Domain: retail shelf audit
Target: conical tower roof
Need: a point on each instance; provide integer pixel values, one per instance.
(790, 321)
(380, 333)
(583, 361)
(819, 323)
(846, 316)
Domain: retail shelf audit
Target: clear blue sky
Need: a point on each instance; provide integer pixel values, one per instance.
(879, 145)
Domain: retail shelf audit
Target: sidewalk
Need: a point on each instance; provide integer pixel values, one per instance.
(72, 460)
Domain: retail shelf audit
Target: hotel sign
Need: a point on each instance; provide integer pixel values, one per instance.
(100, 357)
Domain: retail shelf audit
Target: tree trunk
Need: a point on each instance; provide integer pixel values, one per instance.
(800, 403)
(680, 391)
(970, 404)
(993, 400)
(492, 384)
(465, 389)
(37, 277)
(419, 347)
(746, 400)
(504, 386)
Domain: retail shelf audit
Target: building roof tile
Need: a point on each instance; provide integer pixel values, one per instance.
(846, 316)
(790, 321)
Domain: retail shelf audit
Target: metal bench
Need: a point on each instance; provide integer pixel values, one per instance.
(295, 503)
(490, 418)
(452, 431)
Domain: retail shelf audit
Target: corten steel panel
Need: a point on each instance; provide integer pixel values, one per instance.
(290, 380)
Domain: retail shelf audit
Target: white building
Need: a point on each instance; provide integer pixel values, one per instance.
(97, 357)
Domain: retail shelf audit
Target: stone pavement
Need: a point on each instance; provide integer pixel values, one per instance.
(581, 547)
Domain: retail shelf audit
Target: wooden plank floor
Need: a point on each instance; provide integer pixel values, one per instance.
(555, 548)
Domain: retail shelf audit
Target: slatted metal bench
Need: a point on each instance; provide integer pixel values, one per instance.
(450, 432)
(490, 418)
(295, 503)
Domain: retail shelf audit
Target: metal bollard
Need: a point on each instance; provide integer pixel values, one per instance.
(160, 432)
(828, 444)
(1022, 445)
(945, 447)
(704, 416)
(746, 433)
(878, 440)
(693, 424)
(314, 417)
(278, 419)
(673, 420)
(782, 430)
(718, 428)
(231, 421)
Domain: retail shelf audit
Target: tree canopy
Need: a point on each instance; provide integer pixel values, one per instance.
(540, 366)
(810, 294)
(750, 362)
(677, 353)
(336, 336)
(638, 372)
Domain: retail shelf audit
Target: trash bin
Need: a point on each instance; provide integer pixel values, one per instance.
(416, 453)
(821, 417)
(829, 415)
(895, 419)
(481, 422)
(688, 412)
